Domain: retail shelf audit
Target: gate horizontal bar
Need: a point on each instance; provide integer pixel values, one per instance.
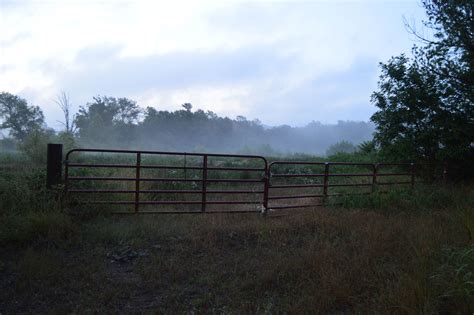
(394, 183)
(398, 164)
(182, 202)
(119, 191)
(348, 194)
(134, 179)
(235, 191)
(350, 174)
(176, 191)
(188, 212)
(294, 197)
(235, 180)
(349, 185)
(394, 174)
(297, 186)
(248, 169)
(330, 175)
(296, 206)
(165, 179)
(164, 153)
(296, 163)
(322, 163)
(297, 175)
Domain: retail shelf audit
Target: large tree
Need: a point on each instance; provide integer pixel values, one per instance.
(426, 103)
(107, 121)
(18, 117)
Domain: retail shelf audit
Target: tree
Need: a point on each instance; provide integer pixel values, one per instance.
(450, 54)
(62, 100)
(34, 146)
(107, 120)
(17, 116)
(187, 106)
(426, 103)
(410, 111)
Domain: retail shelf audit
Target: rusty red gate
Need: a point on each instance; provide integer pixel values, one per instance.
(181, 182)
(303, 184)
(189, 176)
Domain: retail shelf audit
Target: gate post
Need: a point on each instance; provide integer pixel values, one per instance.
(54, 164)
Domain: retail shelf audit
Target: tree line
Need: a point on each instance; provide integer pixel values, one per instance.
(109, 122)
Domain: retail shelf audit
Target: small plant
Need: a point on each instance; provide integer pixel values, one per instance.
(454, 278)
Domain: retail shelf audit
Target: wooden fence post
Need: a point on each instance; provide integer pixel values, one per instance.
(54, 165)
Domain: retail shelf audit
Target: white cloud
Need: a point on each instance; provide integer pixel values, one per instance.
(266, 53)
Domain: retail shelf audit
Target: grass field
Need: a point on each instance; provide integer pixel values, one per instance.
(404, 251)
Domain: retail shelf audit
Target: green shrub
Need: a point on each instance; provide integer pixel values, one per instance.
(454, 279)
(35, 145)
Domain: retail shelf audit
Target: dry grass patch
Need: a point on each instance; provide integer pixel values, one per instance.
(322, 260)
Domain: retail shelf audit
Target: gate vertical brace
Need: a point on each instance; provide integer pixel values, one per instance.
(374, 178)
(137, 182)
(326, 182)
(185, 167)
(66, 177)
(266, 186)
(413, 172)
(204, 183)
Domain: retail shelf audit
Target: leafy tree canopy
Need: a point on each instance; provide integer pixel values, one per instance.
(17, 116)
(426, 103)
(107, 119)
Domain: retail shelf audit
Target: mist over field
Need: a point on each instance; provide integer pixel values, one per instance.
(119, 123)
(124, 125)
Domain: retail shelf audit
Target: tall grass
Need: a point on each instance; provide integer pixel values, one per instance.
(27, 210)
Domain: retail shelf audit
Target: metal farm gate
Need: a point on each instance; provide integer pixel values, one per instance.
(177, 182)
(128, 181)
(311, 184)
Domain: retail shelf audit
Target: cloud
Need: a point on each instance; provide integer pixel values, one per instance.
(219, 81)
(281, 62)
(102, 70)
(254, 82)
(339, 95)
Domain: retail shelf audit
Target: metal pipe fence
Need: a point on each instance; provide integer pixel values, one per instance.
(190, 179)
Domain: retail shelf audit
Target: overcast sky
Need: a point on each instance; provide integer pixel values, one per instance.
(283, 62)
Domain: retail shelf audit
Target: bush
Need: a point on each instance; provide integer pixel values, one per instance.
(454, 279)
(341, 147)
(35, 145)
